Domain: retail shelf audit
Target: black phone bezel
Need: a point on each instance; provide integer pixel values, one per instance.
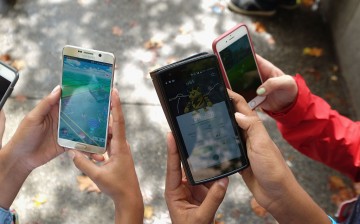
(172, 68)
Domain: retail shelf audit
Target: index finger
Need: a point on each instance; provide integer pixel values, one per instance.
(118, 121)
(173, 167)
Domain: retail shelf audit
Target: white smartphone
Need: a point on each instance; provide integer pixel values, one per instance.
(8, 79)
(238, 63)
(87, 77)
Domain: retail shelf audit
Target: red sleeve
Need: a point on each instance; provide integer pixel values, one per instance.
(319, 132)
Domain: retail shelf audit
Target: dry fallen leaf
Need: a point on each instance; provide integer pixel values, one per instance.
(86, 184)
(39, 199)
(153, 43)
(259, 27)
(148, 211)
(5, 57)
(257, 209)
(313, 51)
(117, 31)
(18, 64)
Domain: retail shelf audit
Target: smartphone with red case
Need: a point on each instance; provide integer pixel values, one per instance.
(237, 60)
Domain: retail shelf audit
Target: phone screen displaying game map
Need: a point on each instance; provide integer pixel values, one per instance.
(197, 101)
(86, 87)
(241, 69)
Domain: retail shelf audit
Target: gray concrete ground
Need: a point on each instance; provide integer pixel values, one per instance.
(35, 32)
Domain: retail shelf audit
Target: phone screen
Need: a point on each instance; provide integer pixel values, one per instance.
(197, 101)
(4, 86)
(240, 67)
(86, 87)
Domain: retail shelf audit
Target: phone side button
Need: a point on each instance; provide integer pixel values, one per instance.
(80, 146)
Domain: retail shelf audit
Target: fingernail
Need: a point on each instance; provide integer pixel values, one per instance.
(223, 182)
(260, 91)
(239, 115)
(55, 90)
(71, 154)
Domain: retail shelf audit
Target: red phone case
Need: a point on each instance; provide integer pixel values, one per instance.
(223, 72)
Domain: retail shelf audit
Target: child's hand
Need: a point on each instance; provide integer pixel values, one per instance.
(186, 203)
(280, 89)
(116, 177)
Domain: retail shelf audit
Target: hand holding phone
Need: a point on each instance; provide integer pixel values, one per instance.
(8, 79)
(198, 110)
(238, 63)
(85, 99)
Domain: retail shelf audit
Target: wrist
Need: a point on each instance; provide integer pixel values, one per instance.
(12, 176)
(129, 211)
(296, 206)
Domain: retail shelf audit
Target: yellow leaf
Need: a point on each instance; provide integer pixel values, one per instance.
(153, 43)
(39, 199)
(18, 64)
(313, 51)
(148, 212)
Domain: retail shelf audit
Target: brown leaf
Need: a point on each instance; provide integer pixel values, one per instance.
(259, 27)
(117, 31)
(5, 57)
(257, 209)
(86, 184)
(313, 51)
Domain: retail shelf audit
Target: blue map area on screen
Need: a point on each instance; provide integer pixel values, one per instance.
(86, 87)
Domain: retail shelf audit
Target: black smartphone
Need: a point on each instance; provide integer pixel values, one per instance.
(8, 79)
(198, 109)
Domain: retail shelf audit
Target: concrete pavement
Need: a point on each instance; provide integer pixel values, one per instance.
(35, 32)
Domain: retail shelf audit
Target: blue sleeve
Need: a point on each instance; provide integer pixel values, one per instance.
(6, 216)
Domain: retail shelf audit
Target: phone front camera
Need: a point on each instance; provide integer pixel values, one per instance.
(100, 55)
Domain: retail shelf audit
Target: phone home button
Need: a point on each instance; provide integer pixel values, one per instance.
(80, 146)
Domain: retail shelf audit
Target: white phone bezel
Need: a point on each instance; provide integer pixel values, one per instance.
(235, 34)
(7, 73)
(94, 55)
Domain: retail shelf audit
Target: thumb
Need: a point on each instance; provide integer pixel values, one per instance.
(83, 163)
(214, 198)
(44, 107)
(284, 82)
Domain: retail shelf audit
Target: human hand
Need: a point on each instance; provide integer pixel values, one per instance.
(269, 178)
(2, 126)
(35, 140)
(116, 177)
(186, 203)
(33, 144)
(280, 89)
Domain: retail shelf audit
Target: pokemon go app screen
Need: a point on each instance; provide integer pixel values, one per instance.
(197, 100)
(86, 87)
